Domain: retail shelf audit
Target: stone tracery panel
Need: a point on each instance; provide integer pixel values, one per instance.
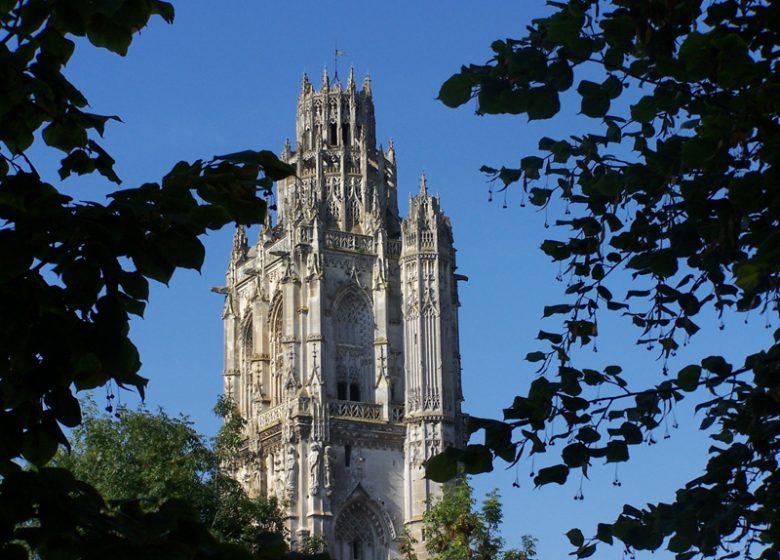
(276, 352)
(354, 336)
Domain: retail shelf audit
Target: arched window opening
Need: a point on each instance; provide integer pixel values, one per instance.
(360, 533)
(277, 354)
(332, 134)
(247, 383)
(354, 336)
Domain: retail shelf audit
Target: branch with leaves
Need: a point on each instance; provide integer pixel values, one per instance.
(74, 271)
(675, 186)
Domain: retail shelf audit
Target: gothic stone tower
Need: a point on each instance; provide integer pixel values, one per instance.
(341, 337)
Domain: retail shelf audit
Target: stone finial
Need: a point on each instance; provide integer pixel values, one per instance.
(390, 150)
(239, 244)
(351, 79)
(423, 186)
(286, 150)
(305, 84)
(325, 79)
(367, 84)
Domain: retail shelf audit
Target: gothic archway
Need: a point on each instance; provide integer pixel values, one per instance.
(354, 336)
(360, 532)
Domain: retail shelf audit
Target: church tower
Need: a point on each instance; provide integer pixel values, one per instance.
(341, 337)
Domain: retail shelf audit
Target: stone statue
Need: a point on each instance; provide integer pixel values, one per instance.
(278, 476)
(292, 473)
(328, 469)
(314, 469)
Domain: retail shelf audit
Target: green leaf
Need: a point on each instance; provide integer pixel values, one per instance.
(604, 533)
(595, 100)
(477, 459)
(65, 406)
(616, 451)
(575, 455)
(560, 75)
(575, 537)
(456, 90)
(535, 356)
(273, 167)
(587, 434)
(556, 474)
(688, 378)
(543, 103)
(106, 32)
(644, 110)
(163, 9)
(443, 467)
(631, 434)
(717, 365)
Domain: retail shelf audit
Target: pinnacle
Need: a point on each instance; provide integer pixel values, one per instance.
(423, 185)
(367, 84)
(325, 79)
(351, 79)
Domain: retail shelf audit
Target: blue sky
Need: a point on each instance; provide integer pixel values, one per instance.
(226, 76)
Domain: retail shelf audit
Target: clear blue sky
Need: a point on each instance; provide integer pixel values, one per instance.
(226, 76)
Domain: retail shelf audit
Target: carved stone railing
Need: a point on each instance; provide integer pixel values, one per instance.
(352, 409)
(345, 241)
(272, 415)
(397, 413)
(295, 407)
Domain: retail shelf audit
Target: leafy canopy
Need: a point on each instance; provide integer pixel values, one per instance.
(454, 529)
(153, 458)
(73, 272)
(676, 184)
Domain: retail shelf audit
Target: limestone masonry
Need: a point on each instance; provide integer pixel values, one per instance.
(341, 337)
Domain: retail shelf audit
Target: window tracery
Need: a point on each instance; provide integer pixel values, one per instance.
(277, 353)
(354, 335)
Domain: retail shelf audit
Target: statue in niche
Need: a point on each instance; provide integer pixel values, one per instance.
(314, 469)
(278, 476)
(328, 469)
(292, 473)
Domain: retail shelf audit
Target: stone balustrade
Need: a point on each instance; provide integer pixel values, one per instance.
(353, 409)
(345, 241)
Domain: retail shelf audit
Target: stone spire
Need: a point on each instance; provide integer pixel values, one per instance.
(325, 79)
(351, 79)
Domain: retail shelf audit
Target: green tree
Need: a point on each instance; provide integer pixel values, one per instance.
(73, 272)
(675, 183)
(454, 530)
(152, 458)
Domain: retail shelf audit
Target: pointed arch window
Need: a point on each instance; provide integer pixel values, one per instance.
(246, 349)
(276, 353)
(354, 336)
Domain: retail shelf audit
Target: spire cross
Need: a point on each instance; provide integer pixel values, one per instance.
(336, 54)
